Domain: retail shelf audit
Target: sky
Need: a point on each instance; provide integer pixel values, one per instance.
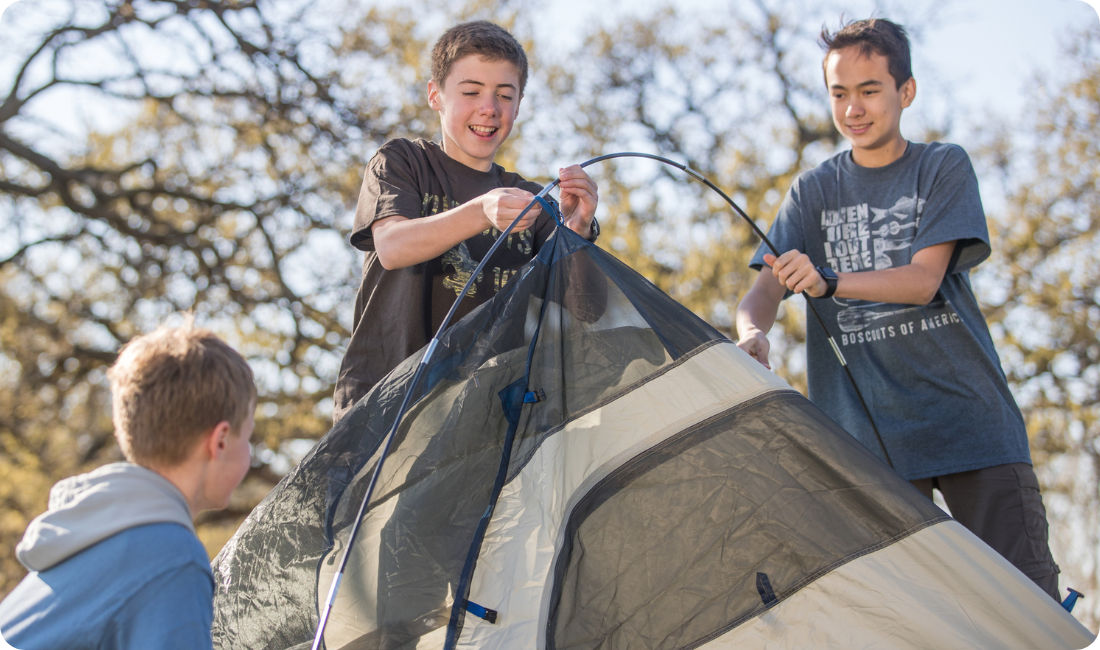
(977, 57)
(980, 53)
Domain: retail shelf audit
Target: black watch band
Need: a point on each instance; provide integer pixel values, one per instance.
(830, 278)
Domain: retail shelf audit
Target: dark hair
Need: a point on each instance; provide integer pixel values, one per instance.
(876, 35)
(480, 37)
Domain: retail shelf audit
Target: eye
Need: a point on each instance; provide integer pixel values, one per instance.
(506, 98)
(470, 93)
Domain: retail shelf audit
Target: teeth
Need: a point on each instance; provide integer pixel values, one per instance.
(484, 130)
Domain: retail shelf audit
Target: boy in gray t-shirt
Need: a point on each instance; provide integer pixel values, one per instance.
(884, 237)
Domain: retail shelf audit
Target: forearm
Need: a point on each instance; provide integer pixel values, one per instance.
(756, 313)
(909, 285)
(915, 283)
(402, 242)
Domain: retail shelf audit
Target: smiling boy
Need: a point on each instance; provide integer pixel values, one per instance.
(884, 236)
(114, 562)
(428, 212)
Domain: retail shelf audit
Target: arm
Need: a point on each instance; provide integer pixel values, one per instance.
(756, 314)
(915, 283)
(402, 242)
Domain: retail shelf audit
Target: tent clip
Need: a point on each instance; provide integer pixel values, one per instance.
(534, 396)
(1071, 599)
(764, 586)
(489, 615)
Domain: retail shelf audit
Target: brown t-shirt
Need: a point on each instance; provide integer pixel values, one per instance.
(397, 312)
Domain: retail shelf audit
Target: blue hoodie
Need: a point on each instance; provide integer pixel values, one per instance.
(114, 564)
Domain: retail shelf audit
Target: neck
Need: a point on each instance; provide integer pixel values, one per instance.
(880, 156)
(188, 482)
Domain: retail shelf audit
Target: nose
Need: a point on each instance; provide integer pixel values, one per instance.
(489, 106)
(855, 108)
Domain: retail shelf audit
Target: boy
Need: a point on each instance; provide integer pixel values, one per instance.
(884, 237)
(428, 212)
(115, 562)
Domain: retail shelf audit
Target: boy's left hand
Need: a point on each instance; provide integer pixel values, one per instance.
(578, 197)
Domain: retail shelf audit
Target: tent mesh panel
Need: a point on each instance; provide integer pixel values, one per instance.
(666, 551)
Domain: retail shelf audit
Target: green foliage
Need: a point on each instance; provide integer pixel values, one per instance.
(1046, 301)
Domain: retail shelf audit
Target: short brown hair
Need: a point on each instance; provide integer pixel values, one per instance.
(876, 35)
(173, 385)
(483, 38)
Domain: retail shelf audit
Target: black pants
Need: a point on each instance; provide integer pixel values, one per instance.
(1002, 506)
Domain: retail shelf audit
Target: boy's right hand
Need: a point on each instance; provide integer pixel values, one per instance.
(502, 205)
(757, 346)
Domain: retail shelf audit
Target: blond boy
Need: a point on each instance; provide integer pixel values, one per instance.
(114, 562)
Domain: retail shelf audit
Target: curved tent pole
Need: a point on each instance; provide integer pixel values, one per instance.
(318, 637)
(809, 299)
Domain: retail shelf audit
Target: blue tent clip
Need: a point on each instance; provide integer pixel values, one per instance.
(1071, 599)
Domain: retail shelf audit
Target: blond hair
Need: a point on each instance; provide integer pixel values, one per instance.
(173, 385)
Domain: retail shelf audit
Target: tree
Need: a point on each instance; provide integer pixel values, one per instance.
(1044, 302)
(212, 171)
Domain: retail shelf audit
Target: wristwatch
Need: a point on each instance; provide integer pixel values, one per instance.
(830, 278)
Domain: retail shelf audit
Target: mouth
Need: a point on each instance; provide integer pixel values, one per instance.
(859, 129)
(484, 132)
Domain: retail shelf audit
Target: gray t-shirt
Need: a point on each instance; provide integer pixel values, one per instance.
(929, 374)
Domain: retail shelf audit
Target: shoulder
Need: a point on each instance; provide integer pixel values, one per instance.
(398, 150)
(156, 547)
(811, 186)
(937, 155)
(821, 175)
(103, 587)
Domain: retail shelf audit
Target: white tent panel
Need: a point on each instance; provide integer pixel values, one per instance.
(939, 589)
(520, 545)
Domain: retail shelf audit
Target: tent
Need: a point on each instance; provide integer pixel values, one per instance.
(587, 464)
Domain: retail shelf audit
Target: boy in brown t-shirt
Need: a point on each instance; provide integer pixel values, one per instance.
(428, 212)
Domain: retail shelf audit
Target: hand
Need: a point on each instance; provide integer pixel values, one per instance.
(757, 346)
(578, 197)
(502, 205)
(795, 271)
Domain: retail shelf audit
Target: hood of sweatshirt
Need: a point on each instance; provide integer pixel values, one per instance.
(89, 508)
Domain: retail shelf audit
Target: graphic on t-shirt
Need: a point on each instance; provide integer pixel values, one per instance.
(864, 238)
(458, 266)
(859, 319)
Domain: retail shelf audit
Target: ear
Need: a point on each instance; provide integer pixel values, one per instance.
(908, 92)
(217, 440)
(433, 95)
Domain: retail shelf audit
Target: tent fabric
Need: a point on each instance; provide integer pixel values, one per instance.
(592, 462)
(959, 594)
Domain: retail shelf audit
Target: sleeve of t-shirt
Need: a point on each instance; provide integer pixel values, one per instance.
(786, 230)
(952, 210)
(389, 189)
(175, 611)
